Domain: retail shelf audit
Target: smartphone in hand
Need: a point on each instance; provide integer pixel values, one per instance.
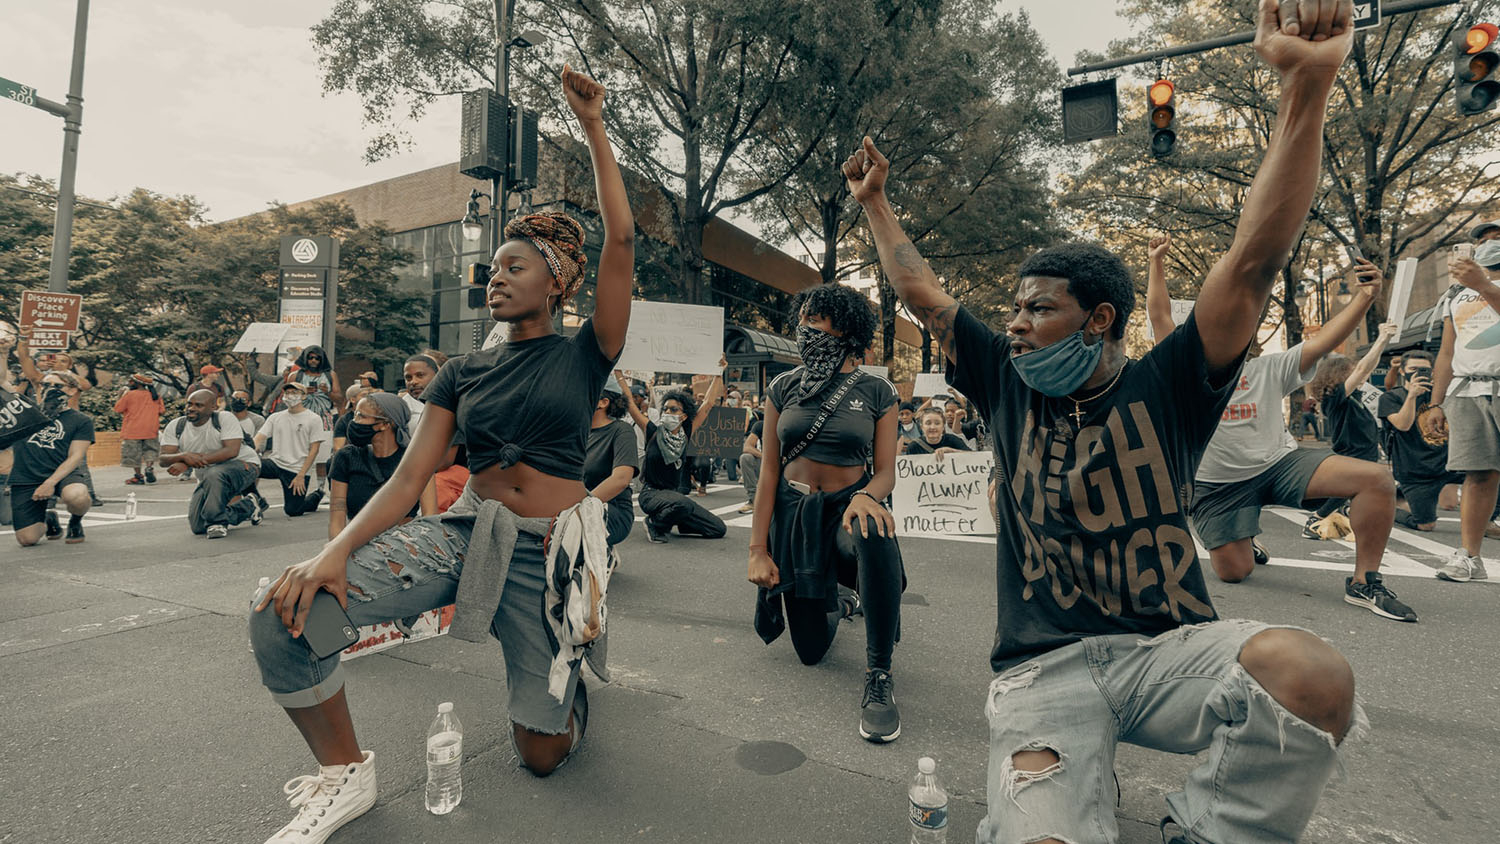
(328, 629)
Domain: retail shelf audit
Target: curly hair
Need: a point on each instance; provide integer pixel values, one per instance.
(617, 405)
(560, 240)
(689, 407)
(846, 309)
(1094, 274)
(1332, 370)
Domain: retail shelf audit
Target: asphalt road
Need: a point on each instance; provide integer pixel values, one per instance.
(135, 712)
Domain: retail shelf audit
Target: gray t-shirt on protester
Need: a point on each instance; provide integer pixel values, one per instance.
(205, 438)
(1252, 433)
(292, 436)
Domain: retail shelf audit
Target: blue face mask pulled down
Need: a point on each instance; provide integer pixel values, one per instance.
(1060, 368)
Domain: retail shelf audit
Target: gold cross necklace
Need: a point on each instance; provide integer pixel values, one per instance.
(1077, 413)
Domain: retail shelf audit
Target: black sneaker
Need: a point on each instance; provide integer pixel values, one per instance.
(879, 720)
(150, 477)
(54, 530)
(312, 501)
(96, 501)
(1375, 597)
(849, 604)
(75, 531)
(1308, 531)
(654, 535)
(1262, 556)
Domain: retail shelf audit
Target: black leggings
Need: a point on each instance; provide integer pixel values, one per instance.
(666, 509)
(879, 562)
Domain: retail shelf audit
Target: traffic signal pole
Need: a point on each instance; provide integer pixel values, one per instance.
(62, 235)
(1397, 8)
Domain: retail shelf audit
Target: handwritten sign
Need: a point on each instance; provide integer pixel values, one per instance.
(722, 434)
(948, 496)
(673, 338)
(261, 337)
(58, 311)
(882, 371)
(374, 638)
(929, 384)
(1181, 308)
(1406, 273)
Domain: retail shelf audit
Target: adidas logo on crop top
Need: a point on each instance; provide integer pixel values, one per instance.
(527, 401)
(846, 436)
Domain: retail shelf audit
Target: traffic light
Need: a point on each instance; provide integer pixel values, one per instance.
(479, 277)
(1474, 81)
(1161, 110)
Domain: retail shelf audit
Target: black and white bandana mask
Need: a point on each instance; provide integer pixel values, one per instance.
(822, 355)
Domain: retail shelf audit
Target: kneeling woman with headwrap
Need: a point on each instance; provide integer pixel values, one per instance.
(819, 521)
(522, 554)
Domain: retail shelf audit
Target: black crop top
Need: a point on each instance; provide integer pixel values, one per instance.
(528, 402)
(846, 438)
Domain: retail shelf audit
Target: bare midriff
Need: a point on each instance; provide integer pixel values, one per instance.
(822, 477)
(526, 491)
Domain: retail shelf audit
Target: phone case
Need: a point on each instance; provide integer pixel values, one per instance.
(328, 629)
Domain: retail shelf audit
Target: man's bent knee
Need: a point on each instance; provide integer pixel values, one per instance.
(1233, 562)
(1304, 674)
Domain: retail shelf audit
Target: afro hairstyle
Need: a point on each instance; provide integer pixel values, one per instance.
(846, 309)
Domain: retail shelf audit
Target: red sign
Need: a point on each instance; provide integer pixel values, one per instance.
(49, 339)
(57, 311)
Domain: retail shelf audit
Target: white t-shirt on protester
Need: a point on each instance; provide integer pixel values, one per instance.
(205, 438)
(1476, 350)
(1252, 433)
(292, 436)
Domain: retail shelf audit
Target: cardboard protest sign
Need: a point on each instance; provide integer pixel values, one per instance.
(929, 384)
(664, 337)
(374, 638)
(948, 496)
(722, 434)
(261, 337)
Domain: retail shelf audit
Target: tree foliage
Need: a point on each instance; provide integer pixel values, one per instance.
(1403, 173)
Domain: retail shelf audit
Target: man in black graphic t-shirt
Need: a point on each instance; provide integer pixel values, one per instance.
(1105, 631)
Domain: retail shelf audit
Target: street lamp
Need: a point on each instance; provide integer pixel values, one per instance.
(473, 229)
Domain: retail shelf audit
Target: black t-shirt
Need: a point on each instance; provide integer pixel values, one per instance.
(1351, 419)
(921, 446)
(1092, 530)
(357, 466)
(530, 401)
(341, 426)
(609, 447)
(39, 455)
(656, 472)
(846, 439)
(1413, 459)
(757, 429)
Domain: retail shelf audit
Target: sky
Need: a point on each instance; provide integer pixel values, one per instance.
(224, 101)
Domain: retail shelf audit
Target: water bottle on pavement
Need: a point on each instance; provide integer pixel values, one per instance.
(445, 759)
(929, 805)
(130, 505)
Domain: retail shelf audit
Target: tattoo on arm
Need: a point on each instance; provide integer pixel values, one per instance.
(939, 322)
(909, 259)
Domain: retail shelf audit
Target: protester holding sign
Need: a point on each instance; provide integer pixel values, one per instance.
(1101, 598)
(935, 437)
(523, 552)
(49, 463)
(819, 523)
(666, 467)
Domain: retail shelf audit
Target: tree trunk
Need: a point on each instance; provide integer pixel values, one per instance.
(887, 322)
(926, 350)
(1293, 318)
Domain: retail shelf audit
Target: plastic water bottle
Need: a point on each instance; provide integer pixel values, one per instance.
(130, 505)
(445, 759)
(929, 805)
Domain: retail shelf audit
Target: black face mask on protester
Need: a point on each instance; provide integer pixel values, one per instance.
(54, 399)
(361, 433)
(239, 405)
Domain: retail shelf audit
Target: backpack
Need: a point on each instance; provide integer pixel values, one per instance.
(183, 420)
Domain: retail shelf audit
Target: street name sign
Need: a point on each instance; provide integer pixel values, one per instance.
(23, 94)
(1366, 15)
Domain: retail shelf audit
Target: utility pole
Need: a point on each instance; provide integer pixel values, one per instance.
(62, 237)
(498, 185)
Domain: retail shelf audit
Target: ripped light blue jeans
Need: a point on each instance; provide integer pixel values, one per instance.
(1182, 692)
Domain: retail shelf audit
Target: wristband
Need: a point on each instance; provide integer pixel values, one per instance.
(866, 493)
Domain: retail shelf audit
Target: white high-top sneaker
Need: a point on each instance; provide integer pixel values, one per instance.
(327, 800)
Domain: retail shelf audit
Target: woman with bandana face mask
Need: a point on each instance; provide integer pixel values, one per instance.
(820, 530)
(48, 463)
(666, 468)
(376, 441)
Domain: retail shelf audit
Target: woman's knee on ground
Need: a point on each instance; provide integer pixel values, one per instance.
(1304, 674)
(541, 753)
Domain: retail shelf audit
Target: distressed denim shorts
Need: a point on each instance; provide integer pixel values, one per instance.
(1182, 692)
(406, 571)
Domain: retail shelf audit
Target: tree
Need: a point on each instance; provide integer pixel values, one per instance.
(1403, 174)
